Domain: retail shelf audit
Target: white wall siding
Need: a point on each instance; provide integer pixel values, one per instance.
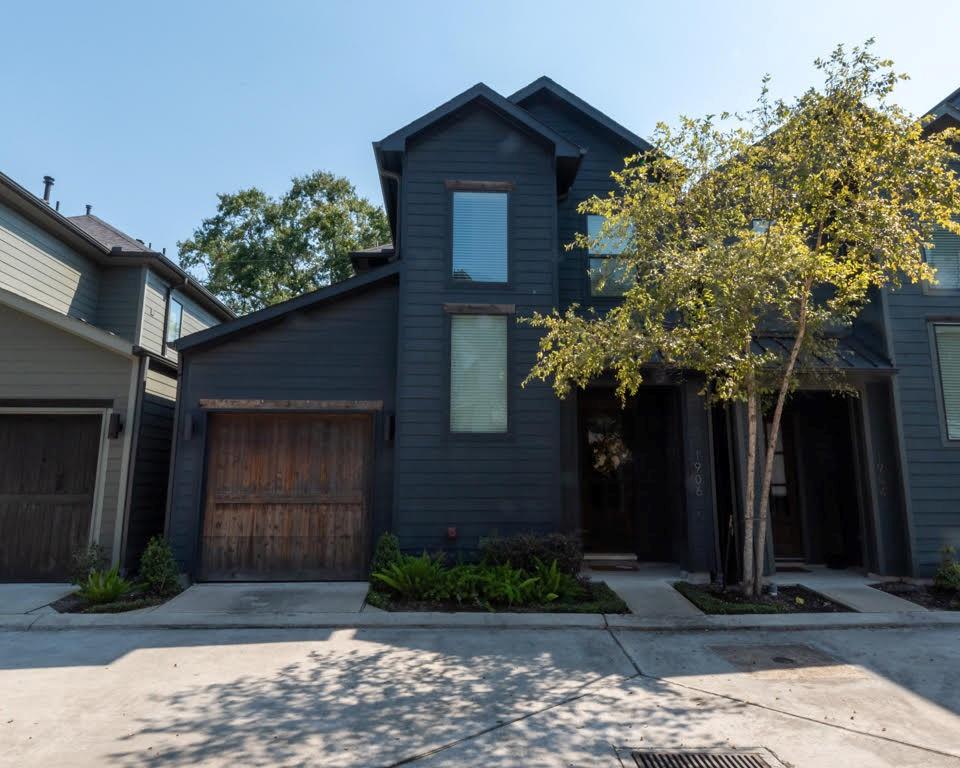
(38, 361)
(154, 312)
(39, 267)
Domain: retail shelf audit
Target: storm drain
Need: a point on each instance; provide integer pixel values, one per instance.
(701, 760)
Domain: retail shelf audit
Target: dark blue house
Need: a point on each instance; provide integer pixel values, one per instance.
(393, 401)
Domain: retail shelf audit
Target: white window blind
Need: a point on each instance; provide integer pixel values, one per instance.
(948, 353)
(480, 236)
(478, 373)
(945, 258)
(609, 275)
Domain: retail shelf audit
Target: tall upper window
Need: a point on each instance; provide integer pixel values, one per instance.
(948, 355)
(945, 258)
(610, 275)
(478, 373)
(174, 320)
(480, 236)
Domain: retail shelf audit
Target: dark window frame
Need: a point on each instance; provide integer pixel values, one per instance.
(928, 289)
(500, 438)
(609, 298)
(453, 186)
(945, 439)
(167, 339)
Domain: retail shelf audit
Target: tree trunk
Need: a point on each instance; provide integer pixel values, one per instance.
(749, 492)
(764, 511)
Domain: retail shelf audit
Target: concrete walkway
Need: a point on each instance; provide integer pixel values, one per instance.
(24, 598)
(850, 589)
(648, 591)
(252, 600)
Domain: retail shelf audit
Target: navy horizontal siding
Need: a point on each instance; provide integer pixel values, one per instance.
(479, 484)
(605, 153)
(932, 465)
(343, 350)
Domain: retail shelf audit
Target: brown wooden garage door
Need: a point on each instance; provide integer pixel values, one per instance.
(48, 474)
(286, 497)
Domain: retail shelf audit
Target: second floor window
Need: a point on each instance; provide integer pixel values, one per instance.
(478, 373)
(945, 258)
(174, 320)
(948, 356)
(480, 236)
(610, 275)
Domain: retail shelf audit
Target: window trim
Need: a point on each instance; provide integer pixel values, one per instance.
(597, 298)
(171, 300)
(507, 436)
(932, 323)
(453, 186)
(928, 289)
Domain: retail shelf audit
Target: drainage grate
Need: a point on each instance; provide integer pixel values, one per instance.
(701, 760)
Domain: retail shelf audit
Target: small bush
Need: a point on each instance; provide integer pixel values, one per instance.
(104, 586)
(385, 553)
(552, 581)
(158, 568)
(85, 561)
(948, 574)
(414, 578)
(506, 585)
(523, 551)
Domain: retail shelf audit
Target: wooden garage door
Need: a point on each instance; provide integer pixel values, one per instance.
(48, 474)
(286, 497)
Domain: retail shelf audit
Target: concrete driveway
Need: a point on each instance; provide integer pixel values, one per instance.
(254, 600)
(384, 697)
(25, 598)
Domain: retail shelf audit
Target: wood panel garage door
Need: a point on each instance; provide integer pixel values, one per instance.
(287, 497)
(48, 475)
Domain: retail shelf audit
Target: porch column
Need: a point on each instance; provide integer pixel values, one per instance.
(698, 480)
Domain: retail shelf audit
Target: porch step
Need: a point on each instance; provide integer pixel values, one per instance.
(609, 557)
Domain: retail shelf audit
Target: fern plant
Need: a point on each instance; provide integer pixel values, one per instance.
(414, 578)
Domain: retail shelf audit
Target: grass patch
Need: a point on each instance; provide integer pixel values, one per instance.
(790, 599)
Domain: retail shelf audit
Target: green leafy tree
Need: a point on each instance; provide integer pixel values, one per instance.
(258, 250)
(779, 222)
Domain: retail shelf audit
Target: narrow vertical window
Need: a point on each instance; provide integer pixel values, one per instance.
(478, 373)
(610, 275)
(945, 258)
(480, 236)
(174, 320)
(948, 357)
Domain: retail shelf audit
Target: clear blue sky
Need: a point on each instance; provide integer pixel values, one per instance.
(147, 110)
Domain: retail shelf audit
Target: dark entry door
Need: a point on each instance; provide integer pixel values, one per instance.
(48, 474)
(786, 517)
(287, 497)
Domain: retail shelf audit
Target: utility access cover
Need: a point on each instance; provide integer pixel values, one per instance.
(786, 662)
(709, 759)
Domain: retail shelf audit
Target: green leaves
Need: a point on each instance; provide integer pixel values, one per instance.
(257, 250)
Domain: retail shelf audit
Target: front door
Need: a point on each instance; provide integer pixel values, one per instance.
(785, 515)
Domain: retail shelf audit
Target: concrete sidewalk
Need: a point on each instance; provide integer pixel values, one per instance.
(25, 598)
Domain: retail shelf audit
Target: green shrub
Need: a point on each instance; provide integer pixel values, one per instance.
(85, 561)
(158, 568)
(524, 550)
(554, 584)
(464, 584)
(506, 585)
(415, 578)
(948, 574)
(104, 586)
(385, 553)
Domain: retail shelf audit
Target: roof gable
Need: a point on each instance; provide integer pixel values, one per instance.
(546, 84)
(947, 111)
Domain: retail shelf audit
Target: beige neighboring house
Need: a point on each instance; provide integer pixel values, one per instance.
(88, 384)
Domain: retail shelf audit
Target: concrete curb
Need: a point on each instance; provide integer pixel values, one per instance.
(376, 620)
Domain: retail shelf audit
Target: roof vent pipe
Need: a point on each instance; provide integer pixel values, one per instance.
(57, 206)
(89, 208)
(47, 184)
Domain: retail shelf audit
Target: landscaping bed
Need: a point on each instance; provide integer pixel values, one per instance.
(789, 599)
(528, 573)
(100, 590)
(932, 597)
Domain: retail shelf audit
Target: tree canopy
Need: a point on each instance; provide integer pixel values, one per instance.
(778, 222)
(258, 250)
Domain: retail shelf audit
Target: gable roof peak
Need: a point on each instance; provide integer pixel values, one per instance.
(547, 84)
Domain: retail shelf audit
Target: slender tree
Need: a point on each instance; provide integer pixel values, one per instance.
(257, 250)
(778, 223)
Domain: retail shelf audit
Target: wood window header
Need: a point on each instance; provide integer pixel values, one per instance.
(480, 309)
(464, 185)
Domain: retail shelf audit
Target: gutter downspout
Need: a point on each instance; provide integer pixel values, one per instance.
(394, 176)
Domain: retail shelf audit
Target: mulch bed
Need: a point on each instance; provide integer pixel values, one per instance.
(599, 599)
(74, 603)
(928, 596)
(792, 599)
